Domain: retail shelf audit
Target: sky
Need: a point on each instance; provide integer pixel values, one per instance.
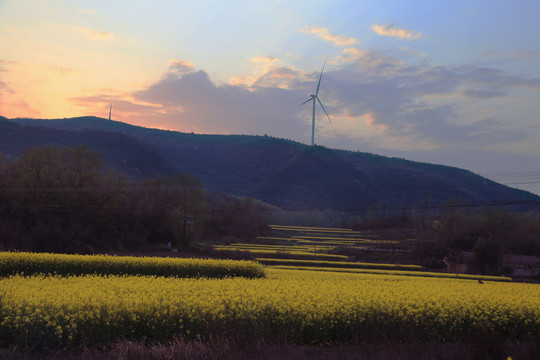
(447, 82)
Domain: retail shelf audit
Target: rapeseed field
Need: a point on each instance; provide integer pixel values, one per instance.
(287, 306)
(12, 263)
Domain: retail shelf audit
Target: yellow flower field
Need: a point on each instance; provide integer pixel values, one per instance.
(12, 263)
(395, 272)
(288, 305)
(337, 264)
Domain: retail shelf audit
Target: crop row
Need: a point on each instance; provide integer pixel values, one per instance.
(12, 263)
(292, 253)
(397, 273)
(341, 240)
(273, 247)
(288, 306)
(313, 229)
(338, 264)
(320, 240)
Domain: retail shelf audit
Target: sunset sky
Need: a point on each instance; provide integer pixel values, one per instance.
(448, 82)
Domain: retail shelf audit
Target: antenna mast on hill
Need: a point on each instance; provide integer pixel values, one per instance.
(313, 98)
(110, 111)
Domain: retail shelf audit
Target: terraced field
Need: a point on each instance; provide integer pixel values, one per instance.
(309, 243)
(309, 248)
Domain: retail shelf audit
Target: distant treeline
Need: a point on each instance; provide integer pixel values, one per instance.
(63, 200)
(488, 233)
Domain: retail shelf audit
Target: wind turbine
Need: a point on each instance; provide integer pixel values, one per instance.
(313, 98)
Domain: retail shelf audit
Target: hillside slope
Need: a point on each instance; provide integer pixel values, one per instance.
(120, 151)
(280, 172)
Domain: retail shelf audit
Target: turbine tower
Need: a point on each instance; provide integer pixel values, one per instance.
(314, 98)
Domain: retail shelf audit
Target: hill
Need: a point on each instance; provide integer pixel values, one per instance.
(6, 122)
(281, 172)
(120, 151)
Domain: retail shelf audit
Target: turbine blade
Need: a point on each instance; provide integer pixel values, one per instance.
(325, 111)
(320, 77)
(308, 100)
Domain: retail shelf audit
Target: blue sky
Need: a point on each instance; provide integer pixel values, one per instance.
(450, 82)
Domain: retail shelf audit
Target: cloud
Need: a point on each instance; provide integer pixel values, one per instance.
(370, 61)
(324, 33)
(483, 93)
(224, 108)
(5, 88)
(125, 108)
(266, 74)
(515, 54)
(392, 30)
(423, 105)
(265, 59)
(181, 66)
(17, 106)
(371, 97)
(282, 78)
(93, 34)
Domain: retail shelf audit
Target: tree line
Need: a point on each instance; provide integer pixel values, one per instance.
(488, 233)
(447, 231)
(64, 200)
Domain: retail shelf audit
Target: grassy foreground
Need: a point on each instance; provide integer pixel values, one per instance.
(288, 306)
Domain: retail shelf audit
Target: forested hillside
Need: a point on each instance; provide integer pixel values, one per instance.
(278, 171)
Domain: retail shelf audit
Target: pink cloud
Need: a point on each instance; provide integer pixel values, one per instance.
(371, 122)
(324, 33)
(179, 67)
(17, 108)
(392, 30)
(263, 64)
(282, 78)
(93, 34)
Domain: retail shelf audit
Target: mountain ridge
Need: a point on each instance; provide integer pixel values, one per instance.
(280, 172)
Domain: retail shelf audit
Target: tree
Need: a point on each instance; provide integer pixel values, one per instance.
(79, 167)
(487, 253)
(52, 175)
(235, 217)
(191, 203)
(49, 192)
(171, 208)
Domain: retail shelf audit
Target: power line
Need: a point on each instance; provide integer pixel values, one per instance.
(378, 207)
(513, 175)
